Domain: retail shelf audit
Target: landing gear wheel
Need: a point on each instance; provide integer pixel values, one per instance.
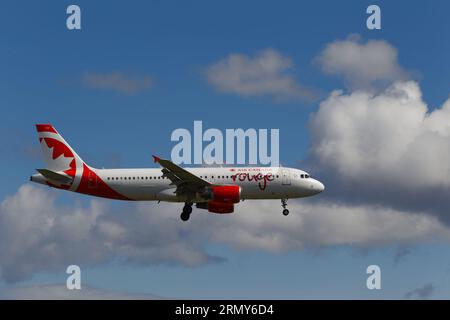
(187, 210)
(285, 212)
(185, 216)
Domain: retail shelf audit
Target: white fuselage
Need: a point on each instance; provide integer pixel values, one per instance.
(255, 182)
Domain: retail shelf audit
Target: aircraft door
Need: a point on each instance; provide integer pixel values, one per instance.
(285, 176)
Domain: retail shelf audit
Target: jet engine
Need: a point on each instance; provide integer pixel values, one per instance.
(220, 207)
(229, 194)
(221, 198)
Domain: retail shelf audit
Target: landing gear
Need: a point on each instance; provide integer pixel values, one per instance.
(185, 216)
(187, 210)
(284, 205)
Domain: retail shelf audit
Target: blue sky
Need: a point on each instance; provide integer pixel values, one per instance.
(174, 42)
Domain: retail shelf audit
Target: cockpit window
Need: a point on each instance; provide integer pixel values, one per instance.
(306, 176)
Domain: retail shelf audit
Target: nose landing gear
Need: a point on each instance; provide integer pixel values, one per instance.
(284, 205)
(187, 210)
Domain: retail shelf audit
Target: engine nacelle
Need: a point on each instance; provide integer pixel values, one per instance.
(220, 207)
(225, 194)
(221, 198)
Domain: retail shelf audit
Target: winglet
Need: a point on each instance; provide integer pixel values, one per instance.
(156, 159)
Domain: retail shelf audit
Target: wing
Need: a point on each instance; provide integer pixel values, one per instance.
(186, 182)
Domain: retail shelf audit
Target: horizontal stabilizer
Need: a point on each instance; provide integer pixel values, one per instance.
(54, 176)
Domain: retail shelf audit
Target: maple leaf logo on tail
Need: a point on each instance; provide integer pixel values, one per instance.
(57, 153)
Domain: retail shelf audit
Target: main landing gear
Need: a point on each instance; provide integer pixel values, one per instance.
(284, 205)
(187, 210)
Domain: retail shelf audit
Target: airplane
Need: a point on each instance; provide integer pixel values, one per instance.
(216, 189)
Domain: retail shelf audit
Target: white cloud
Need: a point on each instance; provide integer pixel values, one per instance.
(117, 81)
(391, 138)
(362, 65)
(266, 73)
(60, 292)
(260, 225)
(37, 234)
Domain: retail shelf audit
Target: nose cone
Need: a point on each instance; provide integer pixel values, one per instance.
(317, 186)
